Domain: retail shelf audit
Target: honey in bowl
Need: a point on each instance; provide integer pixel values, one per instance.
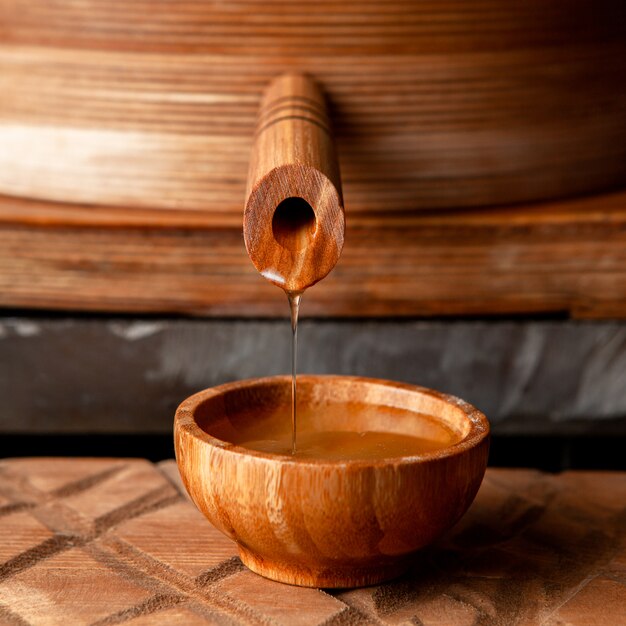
(337, 432)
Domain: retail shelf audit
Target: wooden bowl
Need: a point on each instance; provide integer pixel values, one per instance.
(323, 523)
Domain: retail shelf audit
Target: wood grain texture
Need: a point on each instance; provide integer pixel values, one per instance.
(558, 257)
(534, 548)
(126, 132)
(316, 522)
(437, 104)
(293, 223)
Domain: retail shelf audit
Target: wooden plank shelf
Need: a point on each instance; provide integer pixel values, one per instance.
(566, 257)
(110, 541)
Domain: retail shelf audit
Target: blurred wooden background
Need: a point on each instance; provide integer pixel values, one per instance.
(482, 145)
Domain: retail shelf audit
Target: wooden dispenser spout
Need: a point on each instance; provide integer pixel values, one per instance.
(293, 221)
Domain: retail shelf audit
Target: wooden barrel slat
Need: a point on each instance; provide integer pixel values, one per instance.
(171, 89)
(126, 129)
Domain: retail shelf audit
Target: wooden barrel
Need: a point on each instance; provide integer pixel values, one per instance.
(126, 130)
(436, 103)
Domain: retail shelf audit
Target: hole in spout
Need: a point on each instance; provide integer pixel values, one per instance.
(293, 224)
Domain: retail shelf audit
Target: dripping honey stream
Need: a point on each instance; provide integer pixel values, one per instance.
(367, 471)
(294, 232)
(294, 219)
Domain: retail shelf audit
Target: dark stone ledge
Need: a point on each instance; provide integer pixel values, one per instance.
(116, 375)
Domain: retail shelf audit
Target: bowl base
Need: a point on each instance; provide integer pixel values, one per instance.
(329, 578)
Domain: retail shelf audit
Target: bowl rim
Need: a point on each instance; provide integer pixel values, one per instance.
(184, 420)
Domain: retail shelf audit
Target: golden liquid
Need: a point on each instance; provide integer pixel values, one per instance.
(345, 446)
(294, 308)
(339, 432)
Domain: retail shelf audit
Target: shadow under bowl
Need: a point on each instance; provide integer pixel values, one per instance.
(329, 523)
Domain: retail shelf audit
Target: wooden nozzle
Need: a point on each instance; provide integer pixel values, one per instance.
(293, 222)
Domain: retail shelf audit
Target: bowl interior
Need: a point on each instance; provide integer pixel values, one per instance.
(339, 407)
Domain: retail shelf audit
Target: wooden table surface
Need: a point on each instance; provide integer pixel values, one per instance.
(111, 541)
